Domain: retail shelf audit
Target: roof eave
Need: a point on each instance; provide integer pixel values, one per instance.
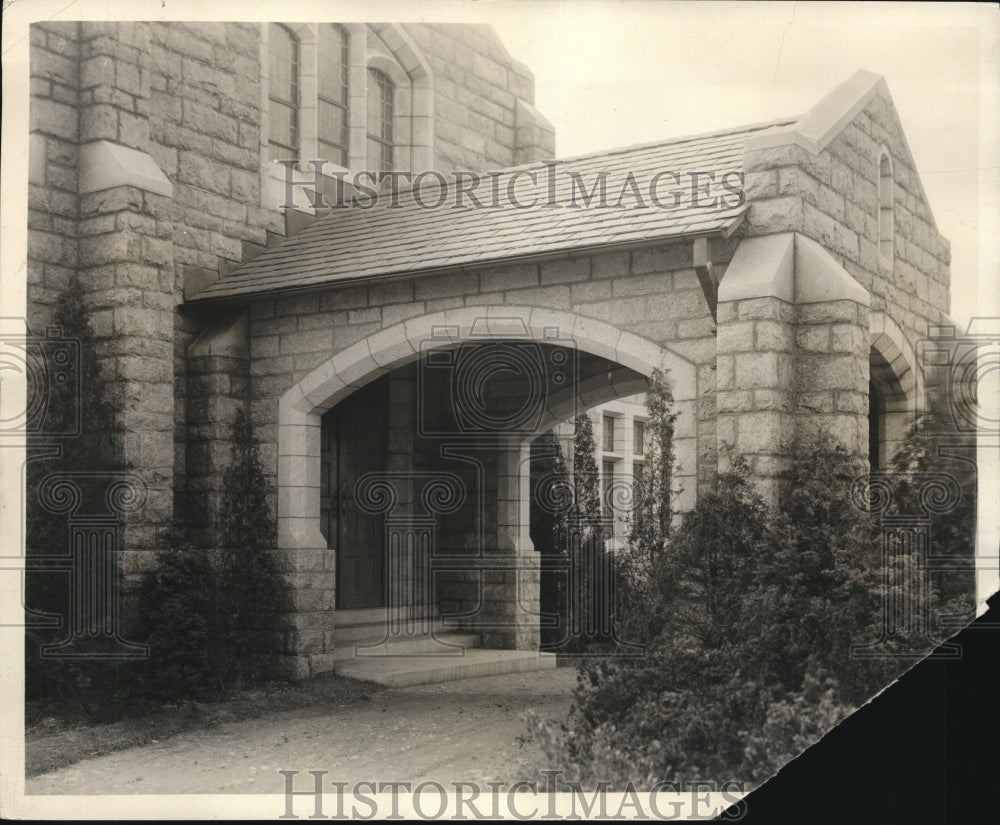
(724, 231)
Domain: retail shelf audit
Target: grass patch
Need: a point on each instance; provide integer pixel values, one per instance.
(58, 734)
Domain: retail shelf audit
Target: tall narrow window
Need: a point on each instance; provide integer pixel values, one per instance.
(886, 217)
(609, 434)
(332, 93)
(638, 437)
(283, 93)
(380, 113)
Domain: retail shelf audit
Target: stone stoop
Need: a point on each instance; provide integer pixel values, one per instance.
(423, 653)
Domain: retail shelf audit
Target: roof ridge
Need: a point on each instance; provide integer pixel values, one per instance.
(441, 180)
(673, 141)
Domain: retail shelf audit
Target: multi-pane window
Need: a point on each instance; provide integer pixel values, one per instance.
(380, 114)
(638, 438)
(609, 434)
(333, 65)
(283, 93)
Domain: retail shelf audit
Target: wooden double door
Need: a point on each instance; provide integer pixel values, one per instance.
(354, 443)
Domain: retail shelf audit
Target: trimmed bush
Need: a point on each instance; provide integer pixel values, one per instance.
(215, 616)
(750, 618)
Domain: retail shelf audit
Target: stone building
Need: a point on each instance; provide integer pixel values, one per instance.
(399, 340)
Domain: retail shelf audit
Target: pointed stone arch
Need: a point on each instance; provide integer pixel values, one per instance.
(302, 406)
(892, 388)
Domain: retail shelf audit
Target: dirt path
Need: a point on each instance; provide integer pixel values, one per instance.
(464, 730)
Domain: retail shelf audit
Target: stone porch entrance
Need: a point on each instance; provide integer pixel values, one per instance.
(446, 501)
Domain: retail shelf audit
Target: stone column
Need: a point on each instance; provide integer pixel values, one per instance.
(792, 353)
(218, 365)
(755, 357)
(126, 261)
(512, 592)
(832, 366)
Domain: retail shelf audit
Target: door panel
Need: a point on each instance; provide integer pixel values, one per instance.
(354, 443)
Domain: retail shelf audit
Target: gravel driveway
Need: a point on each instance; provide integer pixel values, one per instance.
(463, 730)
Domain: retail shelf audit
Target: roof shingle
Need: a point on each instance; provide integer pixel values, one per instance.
(352, 244)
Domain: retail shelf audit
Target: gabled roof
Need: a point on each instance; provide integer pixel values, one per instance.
(386, 240)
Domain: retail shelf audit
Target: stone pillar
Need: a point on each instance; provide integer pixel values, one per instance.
(126, 261)
(832, 367)
(309, 565)
(792, 353)
(404, 579)
(218, 365)
(511, 592)
(755, 358)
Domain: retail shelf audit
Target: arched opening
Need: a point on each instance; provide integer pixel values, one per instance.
(461, 395)
(467, 413)
(892, 390)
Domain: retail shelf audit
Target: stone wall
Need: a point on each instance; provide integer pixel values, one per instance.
(484, 116)
(832, 197)
(53, 156)
(180, 103)
(652, 292)
(802, 363)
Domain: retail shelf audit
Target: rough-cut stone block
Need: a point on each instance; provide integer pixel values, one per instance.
(610, 265)
(760, 432)
(560, 272)
(783, 214)
(737, 336)
(756, 369)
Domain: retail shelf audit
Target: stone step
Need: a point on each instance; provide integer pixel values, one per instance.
(411, 670)
(377, 631)
(379, 615)
(446, 644)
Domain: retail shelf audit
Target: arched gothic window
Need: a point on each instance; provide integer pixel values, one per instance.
(283, 92)
(381, 93)
(333, 65)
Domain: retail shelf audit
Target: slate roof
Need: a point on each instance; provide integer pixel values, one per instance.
(353, 244)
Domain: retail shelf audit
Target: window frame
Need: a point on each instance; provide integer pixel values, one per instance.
(608, 433)
(386, 140)
(344, 67)
(639, 437)
(292, 104)
(387, 47)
